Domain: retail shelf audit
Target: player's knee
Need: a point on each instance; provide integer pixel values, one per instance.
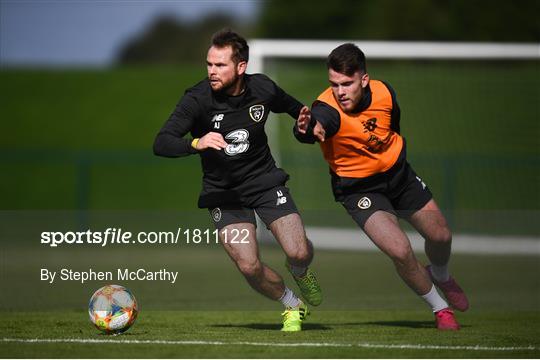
(300, 257)
(250, 268)
(442, 235)
(402, 255)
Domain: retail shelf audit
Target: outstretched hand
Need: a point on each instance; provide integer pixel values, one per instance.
(212, 140)
(319, 132)
(302, 123)
(303, 120)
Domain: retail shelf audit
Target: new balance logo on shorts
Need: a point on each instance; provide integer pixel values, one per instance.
(421, 182)
(281, 199)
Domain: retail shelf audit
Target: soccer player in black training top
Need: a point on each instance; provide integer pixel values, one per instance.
(225, 114)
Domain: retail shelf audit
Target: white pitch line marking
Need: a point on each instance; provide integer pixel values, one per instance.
(223, 343)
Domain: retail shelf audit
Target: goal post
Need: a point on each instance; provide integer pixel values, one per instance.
(262, 48)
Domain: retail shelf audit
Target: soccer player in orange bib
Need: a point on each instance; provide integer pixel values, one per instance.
(356, 122)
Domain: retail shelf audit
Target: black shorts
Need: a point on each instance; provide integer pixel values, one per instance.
(401, 194)
(270, 205)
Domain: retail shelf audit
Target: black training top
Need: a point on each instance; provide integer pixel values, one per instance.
(246, 165)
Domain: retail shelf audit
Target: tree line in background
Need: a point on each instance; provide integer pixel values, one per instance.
(169, 41)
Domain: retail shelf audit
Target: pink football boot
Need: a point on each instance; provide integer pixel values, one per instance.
(451, 290)
(445, 320)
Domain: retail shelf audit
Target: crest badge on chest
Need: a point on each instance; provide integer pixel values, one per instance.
(256, 112)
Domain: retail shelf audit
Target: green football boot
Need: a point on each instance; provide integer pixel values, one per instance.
(293, 317)
(309, 286)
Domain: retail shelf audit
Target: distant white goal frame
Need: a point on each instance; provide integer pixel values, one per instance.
(260, 49)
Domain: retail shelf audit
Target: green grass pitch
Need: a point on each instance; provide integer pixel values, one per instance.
(479, 159)
(212, 313)
(255, 334)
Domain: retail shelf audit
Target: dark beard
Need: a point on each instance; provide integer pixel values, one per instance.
(226, 87)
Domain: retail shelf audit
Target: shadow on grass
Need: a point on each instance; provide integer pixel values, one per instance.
(404, 323)
(260, 326)
(123, 334)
